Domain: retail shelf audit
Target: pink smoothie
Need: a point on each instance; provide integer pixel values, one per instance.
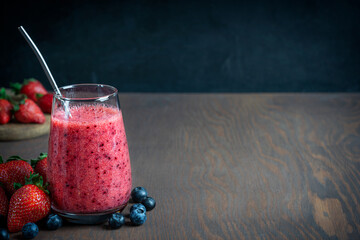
(88, 166)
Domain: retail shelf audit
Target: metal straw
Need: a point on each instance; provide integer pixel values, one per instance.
(43, 64)
(41, 59)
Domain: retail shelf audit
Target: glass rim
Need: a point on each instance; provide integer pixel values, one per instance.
(98, 98)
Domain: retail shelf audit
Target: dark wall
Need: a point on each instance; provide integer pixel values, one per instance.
(187, 46)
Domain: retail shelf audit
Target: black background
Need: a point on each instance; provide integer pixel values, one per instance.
(187, 46)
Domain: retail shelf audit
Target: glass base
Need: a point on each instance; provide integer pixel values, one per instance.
(88, 218)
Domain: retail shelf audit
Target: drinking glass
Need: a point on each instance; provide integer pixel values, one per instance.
(89, 170)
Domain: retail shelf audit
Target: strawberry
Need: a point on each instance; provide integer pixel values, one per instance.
(30, 203)
(5, 107)
(30, 88)
(5, 111)
(45, 102)
(28, 112)
(14, 170)
(4, 202)
(40, 165)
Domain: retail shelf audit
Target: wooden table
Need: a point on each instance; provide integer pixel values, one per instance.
(237, 166)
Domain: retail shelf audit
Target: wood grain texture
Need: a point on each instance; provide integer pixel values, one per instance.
(237, 166)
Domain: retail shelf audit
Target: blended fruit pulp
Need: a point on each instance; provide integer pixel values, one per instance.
(88, 166)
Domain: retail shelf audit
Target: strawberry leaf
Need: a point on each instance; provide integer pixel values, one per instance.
(17, 185)
(16, 87)
(15, 157)
(40, 157)
(39, 95)
(1, 160)
(17, 100)
(3, 94)
(33, 162)
(27, 80)
(37, 180)
(16, 107)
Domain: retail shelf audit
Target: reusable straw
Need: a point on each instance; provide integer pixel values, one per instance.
(43, 64)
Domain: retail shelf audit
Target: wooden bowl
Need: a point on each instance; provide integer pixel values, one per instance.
(19, 131)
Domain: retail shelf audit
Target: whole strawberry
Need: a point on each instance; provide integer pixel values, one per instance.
(40, 165)
(30, 88)
(4, 202)
(14, 171)
(5, 107)
(28, 112)
(5, 111)
(30, 203)
(45, 102)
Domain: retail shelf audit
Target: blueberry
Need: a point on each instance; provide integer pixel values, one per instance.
(149, 203)
(116, 220)
(4, 234)
(138, 205)
(138, 194)
(54, 222)
(30, 230)
(138, 216)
